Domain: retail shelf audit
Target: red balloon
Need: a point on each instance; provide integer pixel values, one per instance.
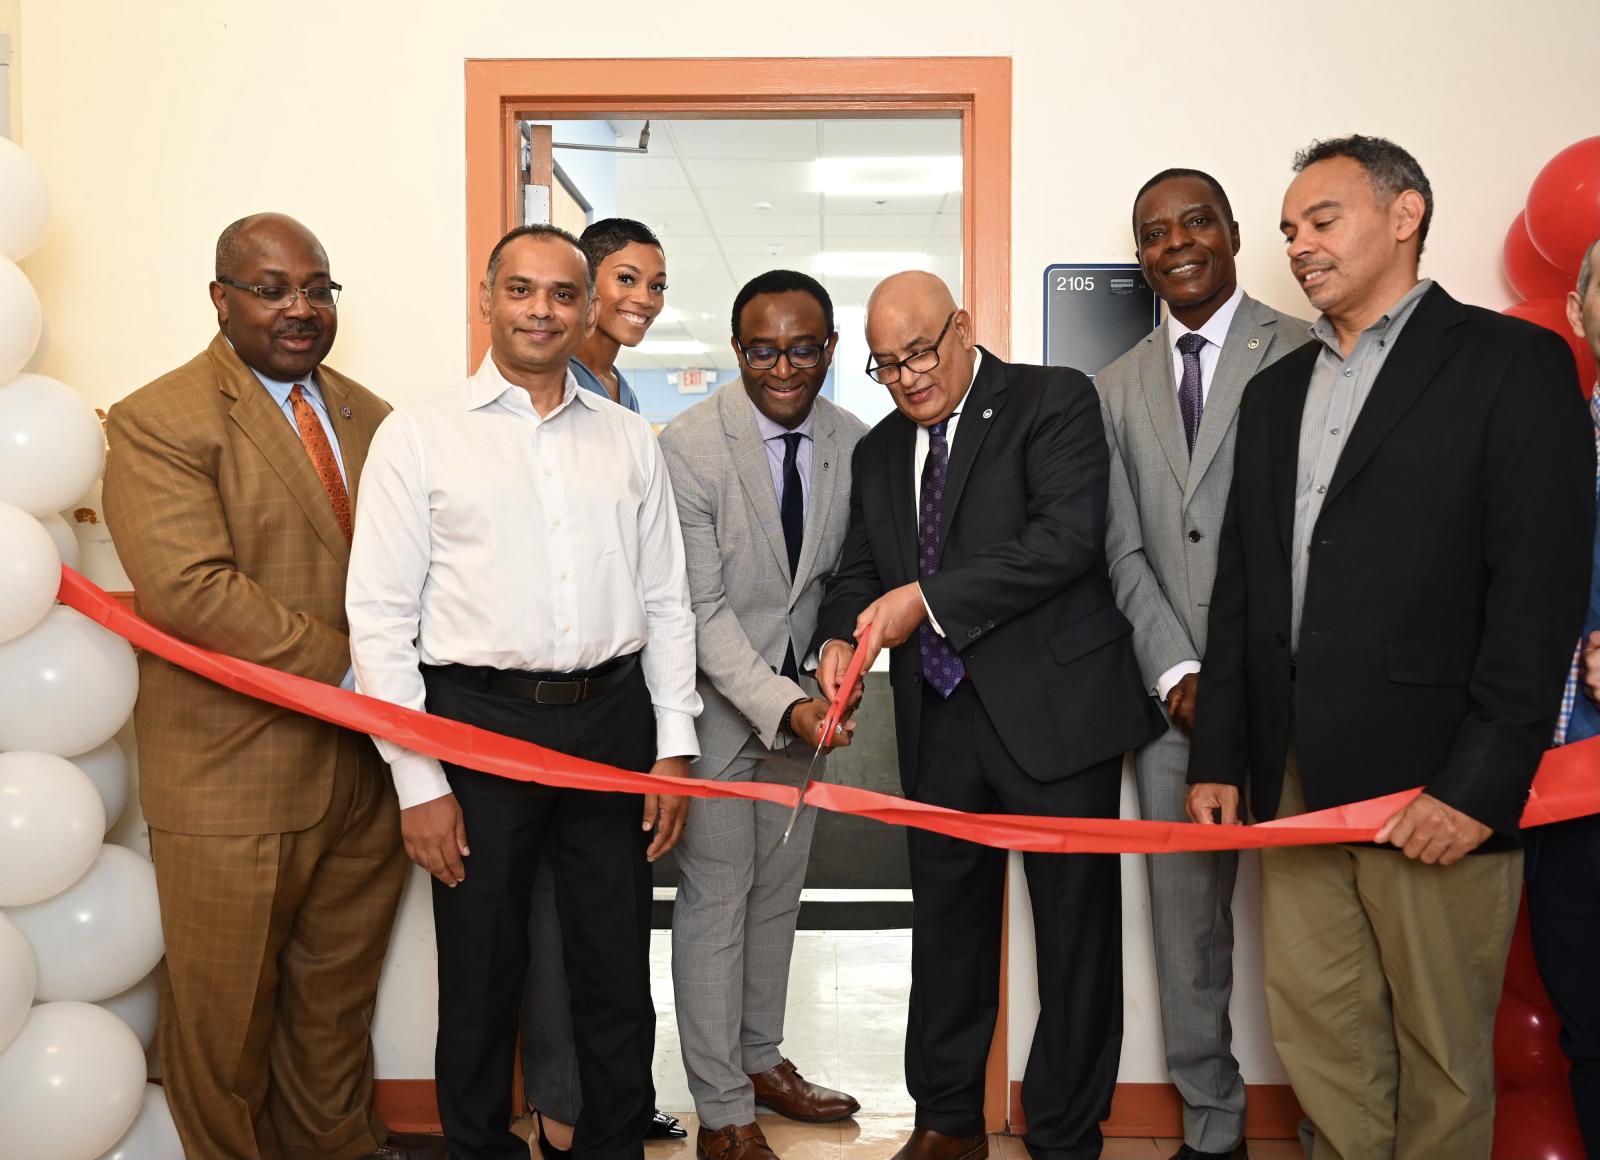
(1527, 1051)
(1551, 313)
(1537, 1124)
(1530, 275)
(1522, 971)
(1564, 205)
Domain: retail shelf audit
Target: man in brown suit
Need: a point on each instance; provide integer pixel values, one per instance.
(229, 494)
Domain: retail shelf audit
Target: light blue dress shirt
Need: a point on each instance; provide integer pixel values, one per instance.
(772, 436)
(313, 393)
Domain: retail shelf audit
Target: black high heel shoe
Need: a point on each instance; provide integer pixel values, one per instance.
(664, 1127)
(546, 1149)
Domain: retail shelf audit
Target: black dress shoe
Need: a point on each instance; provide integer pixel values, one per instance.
(664, 1127)
(1237, 1152)
(409, 1146)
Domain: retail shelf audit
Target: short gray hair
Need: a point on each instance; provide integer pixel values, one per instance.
(1390, 168)
(1586, 270)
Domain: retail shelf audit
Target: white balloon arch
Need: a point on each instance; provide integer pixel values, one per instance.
(79, 917)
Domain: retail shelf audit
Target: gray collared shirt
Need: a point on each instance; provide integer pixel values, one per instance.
(1339, 388)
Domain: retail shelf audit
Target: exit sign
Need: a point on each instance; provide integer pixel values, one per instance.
(693, 382)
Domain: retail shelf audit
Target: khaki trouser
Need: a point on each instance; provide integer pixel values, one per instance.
(1383, 976)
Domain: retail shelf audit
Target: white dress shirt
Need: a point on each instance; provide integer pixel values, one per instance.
(1215, 332)
(490, 536)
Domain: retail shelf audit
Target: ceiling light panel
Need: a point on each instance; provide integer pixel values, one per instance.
(886, 177)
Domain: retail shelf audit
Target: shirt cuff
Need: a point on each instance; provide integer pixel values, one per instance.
(1169, 679)
(933, 620)
(675, 734)
(418, 778)
(349, 682)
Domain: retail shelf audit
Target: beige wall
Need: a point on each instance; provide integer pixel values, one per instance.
(156, 124)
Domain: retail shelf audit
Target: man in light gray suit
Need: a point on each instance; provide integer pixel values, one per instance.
(1170, 406)
(761, 472)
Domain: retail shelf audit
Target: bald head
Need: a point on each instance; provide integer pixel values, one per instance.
(238, 239)
(912, 318)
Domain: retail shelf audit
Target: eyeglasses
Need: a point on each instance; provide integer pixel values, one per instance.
(283, 297)
(919, 363)
(764, 358)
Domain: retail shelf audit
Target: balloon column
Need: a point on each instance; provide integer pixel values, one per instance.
(1547, 240)
(1534, 1119)
(80, 931)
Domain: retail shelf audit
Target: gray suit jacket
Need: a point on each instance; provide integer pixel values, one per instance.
(1165, 509)
(747, 608)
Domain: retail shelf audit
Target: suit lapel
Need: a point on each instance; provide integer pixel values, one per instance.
(1161, 401)
(1419, 354)
(1235, 367)
(900, 463)
(750, 460)
(352, 429)
(984, 401)
(1286, 404)
(264, 425)
(819, 505)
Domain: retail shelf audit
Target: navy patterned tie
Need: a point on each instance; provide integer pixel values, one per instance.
(940, 664)
(1190, 401)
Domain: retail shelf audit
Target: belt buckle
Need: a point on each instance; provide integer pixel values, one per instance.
(561, 692)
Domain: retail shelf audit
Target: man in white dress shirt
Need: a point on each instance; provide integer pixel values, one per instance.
(519, 566)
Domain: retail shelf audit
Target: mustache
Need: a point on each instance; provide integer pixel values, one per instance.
(298, 326)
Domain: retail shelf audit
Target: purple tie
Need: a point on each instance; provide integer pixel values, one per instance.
(940, 664)
(1190, 401)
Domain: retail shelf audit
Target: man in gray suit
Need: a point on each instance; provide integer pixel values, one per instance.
(1169, 406)
(761, 472)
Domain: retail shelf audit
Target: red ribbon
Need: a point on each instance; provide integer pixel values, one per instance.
(1567, 785)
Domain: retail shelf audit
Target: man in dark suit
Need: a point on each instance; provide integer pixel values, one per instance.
(1564, 867)
(976, 551)
(1403, 571)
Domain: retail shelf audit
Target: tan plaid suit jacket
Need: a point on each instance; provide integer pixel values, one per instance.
(231, 543)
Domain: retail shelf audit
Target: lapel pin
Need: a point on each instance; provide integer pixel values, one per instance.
(988, 412)
(824, 465)
(346, 412)
(1253, 343)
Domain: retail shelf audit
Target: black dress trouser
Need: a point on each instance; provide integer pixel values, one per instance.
(958, 893)
(1564, 915)
(603, 896)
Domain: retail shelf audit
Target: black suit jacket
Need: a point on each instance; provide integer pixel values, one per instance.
(1448, 578)
(1022, 591)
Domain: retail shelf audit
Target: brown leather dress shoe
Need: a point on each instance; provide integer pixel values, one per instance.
(926, 1144)
(410, 1146)
(735, 1142)
(785, 1091)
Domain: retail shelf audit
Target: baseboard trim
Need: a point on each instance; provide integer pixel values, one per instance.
(1154, 1109)
(1138, 1109)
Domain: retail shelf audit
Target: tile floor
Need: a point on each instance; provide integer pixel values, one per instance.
(854, 1044)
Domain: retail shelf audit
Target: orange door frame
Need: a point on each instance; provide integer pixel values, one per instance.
(977, 89)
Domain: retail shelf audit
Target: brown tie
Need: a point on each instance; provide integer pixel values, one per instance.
(322, 457)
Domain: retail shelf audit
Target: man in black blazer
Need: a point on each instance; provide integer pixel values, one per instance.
(1403, 570)
(976, 552)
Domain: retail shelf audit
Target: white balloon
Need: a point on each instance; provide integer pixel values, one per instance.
(107, 767)
(66, 686)
(18, 976)
(52, 820)
(30, 571)
(27, 201)
(40, 348)
(100, 935)
(21, 317)
(51, 444)
(67, 546)
(71, 1083)
(153, 1136)
(137, 1007)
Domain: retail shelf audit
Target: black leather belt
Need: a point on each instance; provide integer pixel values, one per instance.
(561, 688)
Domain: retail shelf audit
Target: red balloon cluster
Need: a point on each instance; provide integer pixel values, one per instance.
(1533, 1116)
(1547, 240)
